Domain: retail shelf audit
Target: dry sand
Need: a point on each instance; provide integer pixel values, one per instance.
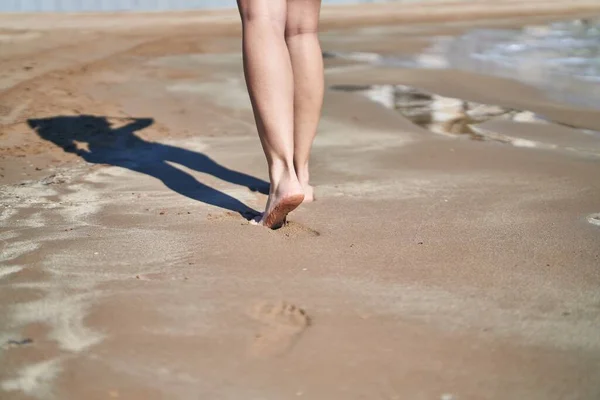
(431, 267)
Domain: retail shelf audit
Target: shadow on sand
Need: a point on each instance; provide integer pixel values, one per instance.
(97, 141)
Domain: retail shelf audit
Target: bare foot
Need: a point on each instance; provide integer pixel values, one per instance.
(309, 193)
(281, 208)
(304, 178)
(286, 198)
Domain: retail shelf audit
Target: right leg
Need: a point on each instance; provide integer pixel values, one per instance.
(270, 82)
(307, 63)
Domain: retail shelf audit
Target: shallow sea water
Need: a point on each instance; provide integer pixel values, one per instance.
(562, 59)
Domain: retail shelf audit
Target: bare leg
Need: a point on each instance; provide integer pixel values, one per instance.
(270, 82)
(307, 63)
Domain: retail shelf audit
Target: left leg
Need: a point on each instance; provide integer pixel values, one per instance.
(301, 35)
(270, 82)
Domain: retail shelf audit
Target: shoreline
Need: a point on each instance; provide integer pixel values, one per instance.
(332, 16)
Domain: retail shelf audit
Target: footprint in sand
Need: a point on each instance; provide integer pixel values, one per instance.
(294, 229)
(290, 230)
(283, 323)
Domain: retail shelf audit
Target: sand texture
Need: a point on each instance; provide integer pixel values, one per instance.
(452, 254)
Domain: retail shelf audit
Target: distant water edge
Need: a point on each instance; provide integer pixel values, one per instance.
(141, 5)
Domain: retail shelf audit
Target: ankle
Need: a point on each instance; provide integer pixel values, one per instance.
(302, 172)
(281, 170)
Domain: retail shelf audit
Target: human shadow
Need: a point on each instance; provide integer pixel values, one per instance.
(97, 141)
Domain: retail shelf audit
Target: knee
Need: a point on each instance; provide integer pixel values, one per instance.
(293, 30)
(264, 17)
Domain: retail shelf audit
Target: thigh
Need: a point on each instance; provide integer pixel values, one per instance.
(302, 17)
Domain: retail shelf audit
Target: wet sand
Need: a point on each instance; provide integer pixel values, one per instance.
(431, 267)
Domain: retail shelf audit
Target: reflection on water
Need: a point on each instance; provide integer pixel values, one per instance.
(562, 58)
(439, 114)
(457, 118)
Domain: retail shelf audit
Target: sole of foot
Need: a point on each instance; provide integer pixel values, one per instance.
(276, 218)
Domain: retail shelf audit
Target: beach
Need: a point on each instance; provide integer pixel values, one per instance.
(453, 251)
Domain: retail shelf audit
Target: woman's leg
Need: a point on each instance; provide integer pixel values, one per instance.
(270, 82)
(301, 35)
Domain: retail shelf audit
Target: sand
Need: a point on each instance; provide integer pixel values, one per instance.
(432, 266)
